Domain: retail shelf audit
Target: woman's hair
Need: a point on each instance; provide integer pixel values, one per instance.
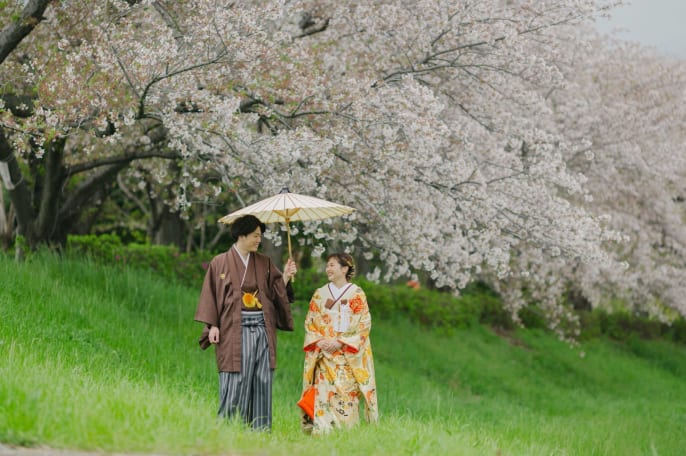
(344, 260)
(245, 225)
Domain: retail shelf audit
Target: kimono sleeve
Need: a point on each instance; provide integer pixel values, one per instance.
(313, 334)
(207, 311)
(358, 353)
(281, 299)
(355, 339)
(313, 330)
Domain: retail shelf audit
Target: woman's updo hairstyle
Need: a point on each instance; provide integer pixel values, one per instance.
(344, 260)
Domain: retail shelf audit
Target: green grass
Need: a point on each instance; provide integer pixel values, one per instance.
(98, 358)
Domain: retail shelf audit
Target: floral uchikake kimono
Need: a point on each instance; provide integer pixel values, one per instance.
(340, 379)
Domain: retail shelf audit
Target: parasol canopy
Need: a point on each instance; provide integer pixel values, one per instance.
(286, 207)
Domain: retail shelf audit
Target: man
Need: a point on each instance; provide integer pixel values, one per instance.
(243, 301)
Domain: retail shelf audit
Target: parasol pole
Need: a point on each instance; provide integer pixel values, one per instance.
(288, 233)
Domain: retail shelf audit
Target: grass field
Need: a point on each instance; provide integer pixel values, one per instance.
(97, 358)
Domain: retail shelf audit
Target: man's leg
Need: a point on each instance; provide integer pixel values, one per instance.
(261, 405)
(235, 387)
(231, 386)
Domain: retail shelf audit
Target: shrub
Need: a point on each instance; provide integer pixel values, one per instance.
(103, 247)
(676, 331)
(431, 308)
(184, 268)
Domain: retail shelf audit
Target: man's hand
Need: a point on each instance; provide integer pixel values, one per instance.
(289, 270)
(214, 335)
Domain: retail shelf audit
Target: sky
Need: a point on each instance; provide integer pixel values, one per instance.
(657, 23)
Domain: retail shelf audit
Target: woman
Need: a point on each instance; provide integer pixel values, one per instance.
(339, 367)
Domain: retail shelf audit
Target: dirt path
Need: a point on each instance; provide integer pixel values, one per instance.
(21, 451)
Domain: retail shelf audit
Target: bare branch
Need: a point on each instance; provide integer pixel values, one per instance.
(316, 28)
(18, 29)
(130, 154)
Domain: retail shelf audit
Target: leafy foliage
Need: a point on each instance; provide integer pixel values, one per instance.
(476, 139)
(476, 304)
(167, 261)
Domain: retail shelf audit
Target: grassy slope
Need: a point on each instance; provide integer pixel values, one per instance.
(95, 358)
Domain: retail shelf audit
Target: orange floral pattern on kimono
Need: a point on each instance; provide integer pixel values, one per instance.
(346, 378)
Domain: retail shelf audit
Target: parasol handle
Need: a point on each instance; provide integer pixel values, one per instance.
(290, 255)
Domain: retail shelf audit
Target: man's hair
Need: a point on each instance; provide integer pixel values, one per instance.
(245, 225)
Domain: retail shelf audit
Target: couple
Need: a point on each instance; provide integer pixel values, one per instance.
(245, 298)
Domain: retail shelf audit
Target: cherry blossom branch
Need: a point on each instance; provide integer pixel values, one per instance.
(20, 27)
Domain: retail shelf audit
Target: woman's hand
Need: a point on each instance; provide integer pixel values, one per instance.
(329, 345)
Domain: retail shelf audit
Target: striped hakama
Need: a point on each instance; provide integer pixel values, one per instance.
(249, 392)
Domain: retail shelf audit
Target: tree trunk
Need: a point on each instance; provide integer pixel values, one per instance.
(3, 215)
(5, 224)
(47, 221)
(276, 253)
(45, 213)
(18, 190)
(362, 266)
(170, 229)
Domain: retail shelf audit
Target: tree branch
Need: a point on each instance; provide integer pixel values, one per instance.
(19, 192)
(157, 135)
(130, 195)
(130, 154)
(89, 187)
(315, 28)
(17, 30)
(19, 105)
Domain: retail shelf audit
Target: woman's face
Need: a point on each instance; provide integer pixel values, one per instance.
(334, 271)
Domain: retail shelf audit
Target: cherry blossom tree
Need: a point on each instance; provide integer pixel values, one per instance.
(52, 91)
(453, 127)
(638, 153)
(627, 102)
(463, 172)
(642, 155)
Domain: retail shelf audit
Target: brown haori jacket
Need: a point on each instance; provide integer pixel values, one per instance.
(220, 304)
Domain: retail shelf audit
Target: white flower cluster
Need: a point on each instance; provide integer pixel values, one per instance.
(475, 139)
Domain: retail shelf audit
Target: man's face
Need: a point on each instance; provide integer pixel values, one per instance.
(251, 241)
